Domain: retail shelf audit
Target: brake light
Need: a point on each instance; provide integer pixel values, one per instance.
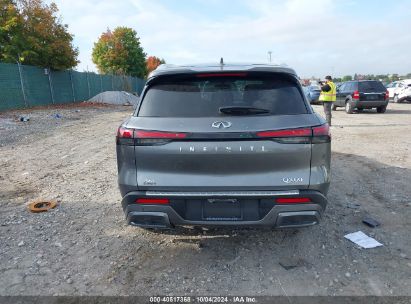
(356, 95)
(286, 133)
(222, 75)
(323, 130)
(125, 136)
(320, 134)
(153, 201)
(158, 134)
(125, 133)
(387, 95)
(292, 200)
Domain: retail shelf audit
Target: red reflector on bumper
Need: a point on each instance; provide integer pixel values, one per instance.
(292, 200)
(156, 201)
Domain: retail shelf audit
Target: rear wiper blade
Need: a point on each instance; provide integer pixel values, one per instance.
(243, 110)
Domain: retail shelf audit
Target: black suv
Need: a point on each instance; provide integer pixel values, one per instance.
(362, 94)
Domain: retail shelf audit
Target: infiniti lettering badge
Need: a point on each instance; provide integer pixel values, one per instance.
(221, 124)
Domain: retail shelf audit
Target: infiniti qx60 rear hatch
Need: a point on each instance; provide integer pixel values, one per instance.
(249, 131)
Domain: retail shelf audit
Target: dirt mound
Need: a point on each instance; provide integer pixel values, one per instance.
(116, 98)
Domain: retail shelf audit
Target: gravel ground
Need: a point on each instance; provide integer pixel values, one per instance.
(84, 247)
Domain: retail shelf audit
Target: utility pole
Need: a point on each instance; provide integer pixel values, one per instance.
(21, 82)
(51, 85)
(101, 83)
(72, 85)
(88, 84)
(269, 55)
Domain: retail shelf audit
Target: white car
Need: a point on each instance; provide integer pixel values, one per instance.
(392, 87)
(403, 92)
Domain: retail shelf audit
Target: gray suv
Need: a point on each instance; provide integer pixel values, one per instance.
(223, 145)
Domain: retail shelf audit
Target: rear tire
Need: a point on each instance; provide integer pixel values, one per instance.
(382, 109)
(348, 107)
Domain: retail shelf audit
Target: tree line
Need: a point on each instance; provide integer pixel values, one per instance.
(386, 78)
(32, 33)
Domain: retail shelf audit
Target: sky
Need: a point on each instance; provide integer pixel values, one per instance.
(315, 37)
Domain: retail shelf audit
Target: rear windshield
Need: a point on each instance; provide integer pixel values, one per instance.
(203, 97)
(371, 86)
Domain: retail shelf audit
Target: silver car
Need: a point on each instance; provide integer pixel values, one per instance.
(223, 145)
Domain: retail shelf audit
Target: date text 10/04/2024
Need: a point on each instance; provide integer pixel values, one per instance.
(202, 299)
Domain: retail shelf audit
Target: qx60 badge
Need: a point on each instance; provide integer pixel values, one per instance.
(221, 124)
(291, 180)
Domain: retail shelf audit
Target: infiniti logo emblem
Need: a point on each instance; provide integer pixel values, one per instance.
(221, 124)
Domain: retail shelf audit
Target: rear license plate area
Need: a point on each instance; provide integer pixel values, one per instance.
(372, 97)
(222, 210)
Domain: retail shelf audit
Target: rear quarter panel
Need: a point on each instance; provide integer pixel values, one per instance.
(320, 167)
(126, 166)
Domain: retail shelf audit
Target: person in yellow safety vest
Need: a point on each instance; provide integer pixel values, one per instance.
(328, 95)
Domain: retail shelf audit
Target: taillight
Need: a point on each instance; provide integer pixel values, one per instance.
(125, 133)
(321, 134)
(127, 136)
(356, 95)
(387, 95)
(318, 134)
(292, 200)
(158, 134)
(322, 130)
(153, 201)
(286, 133)
(147, 138)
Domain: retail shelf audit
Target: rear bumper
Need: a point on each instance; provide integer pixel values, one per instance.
(369, 103)
(402, 98)
(178, 213)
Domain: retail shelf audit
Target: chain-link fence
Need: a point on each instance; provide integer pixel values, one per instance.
(23, 86)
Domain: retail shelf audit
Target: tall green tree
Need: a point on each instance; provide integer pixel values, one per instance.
(32, 33)
(50, 43)
(11, 31)
(347, 78)
(119, 52)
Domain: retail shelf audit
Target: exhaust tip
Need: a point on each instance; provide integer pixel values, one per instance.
(157, 220)
(297, 219)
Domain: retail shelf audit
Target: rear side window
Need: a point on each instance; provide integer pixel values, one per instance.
(203, 97)
(350, 87)
(371, 86)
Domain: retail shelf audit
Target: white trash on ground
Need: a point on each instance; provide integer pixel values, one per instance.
(116, 98)
(362, 240)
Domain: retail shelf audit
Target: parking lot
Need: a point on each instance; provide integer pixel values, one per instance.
(84, 247)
